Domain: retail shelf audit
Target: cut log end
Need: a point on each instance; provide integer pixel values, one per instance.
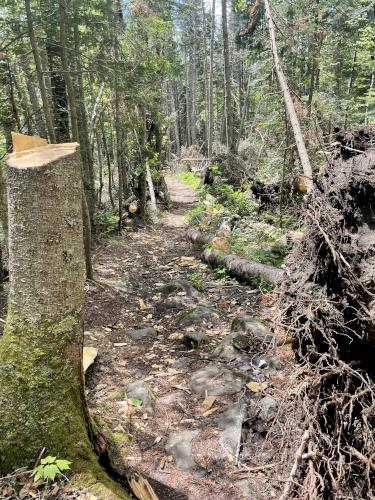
(34, 152)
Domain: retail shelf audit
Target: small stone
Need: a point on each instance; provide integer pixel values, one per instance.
(268, 407)
(179, 286)
(179, 446)
(262, 412)
(274, 363)
(175, 303)
(197, 316)
(231, 424)
(216, 381)
(245, 367)
(242, 342)
(226, 351)
(140, 390)
(141, 333)
(226, 348)
(247, 490)
(182, 362)
(262, 364)
(253, 327)
(193, 340)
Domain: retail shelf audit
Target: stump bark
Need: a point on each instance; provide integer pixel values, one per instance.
(42, 399)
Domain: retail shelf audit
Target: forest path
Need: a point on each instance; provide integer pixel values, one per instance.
(167, 373)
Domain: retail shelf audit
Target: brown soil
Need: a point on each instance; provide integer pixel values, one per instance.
(131, 270)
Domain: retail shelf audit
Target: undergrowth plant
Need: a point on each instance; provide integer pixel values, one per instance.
(190, 179)
(107, 222)
(197, 281)
(50, 468)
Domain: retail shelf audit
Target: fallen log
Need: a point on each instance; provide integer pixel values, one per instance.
(238, 267)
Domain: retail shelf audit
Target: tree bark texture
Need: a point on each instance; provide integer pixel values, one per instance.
(211, 83)
(42, 402)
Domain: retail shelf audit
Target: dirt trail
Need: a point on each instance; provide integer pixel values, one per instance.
(148, 383)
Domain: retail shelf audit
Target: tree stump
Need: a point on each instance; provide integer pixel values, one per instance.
(42, 398)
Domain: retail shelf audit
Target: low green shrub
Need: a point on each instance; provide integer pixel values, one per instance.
(197, 281)
(106, 222)
(190, 179)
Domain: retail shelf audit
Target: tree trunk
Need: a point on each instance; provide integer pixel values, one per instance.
(188, 102)
(59, 94)
(65, 67)
(39, 73)
(41, 379)
(7, 119)
(211, 83)
(151, 189)
(109, 166)
(302, 151)
(205, 74)
(228, 109)
(87, 161)
(174, 110)
(239, 267)
(350, 86)
(75, 135)
(42, 396)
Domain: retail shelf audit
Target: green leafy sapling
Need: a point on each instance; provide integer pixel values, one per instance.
(50, 468)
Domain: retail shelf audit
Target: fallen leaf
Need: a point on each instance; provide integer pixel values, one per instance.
(136, 402)
(55, 491)
(6, 491)
(208, 402)
(256, 386)
(142, 305)
(221, 244)
(26, 492)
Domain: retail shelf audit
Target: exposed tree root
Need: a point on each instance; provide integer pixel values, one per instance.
(328, 305)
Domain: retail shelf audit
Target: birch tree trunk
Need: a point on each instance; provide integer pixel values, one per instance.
(301, 147)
